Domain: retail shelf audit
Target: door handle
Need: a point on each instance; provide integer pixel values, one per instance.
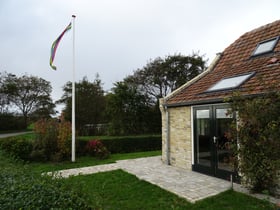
(214, 139)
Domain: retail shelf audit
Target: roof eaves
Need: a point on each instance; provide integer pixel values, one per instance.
(211, 101)
(200, 102)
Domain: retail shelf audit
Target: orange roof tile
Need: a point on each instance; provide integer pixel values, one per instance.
(236, 60)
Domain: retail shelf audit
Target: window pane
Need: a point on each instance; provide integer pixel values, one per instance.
(223, 114)
(232, 82)
(203, 138)
(202, 114)
(266, 46)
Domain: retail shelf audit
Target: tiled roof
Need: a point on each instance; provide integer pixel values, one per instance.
(236, 60)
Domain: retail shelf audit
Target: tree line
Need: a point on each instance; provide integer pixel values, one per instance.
(131, 107)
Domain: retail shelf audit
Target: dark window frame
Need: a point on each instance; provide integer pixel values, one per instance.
(275, 39)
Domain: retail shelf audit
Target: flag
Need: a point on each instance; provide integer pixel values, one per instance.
(55, 45)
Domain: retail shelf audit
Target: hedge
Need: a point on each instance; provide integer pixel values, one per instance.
(126, 144)
(8, 122)
(18, 147)
(23, 189)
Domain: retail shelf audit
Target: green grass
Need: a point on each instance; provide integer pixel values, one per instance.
(15, 131)
(28, 136)
(89, 161)
(86, 138)
(120, 190)
(233, 200)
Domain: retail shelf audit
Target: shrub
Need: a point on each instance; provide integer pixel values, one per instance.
(22, 189)
(97, 149)
(17, 147)
(126, 144)
(10, 122)
(63, 139)
(53, 140)
(259, 140)
(133, 144)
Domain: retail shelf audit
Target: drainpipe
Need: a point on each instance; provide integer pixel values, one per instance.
(167, 140)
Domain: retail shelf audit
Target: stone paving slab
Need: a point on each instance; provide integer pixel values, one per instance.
(86, 170)
(185, 183)
(190, 185)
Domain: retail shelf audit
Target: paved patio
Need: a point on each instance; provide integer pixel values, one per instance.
(185, 183)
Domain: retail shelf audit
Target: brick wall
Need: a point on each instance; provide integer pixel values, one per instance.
(180, 145)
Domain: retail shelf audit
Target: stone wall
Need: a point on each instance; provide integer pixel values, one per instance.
(180, 141)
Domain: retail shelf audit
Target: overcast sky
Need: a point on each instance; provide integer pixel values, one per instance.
(115, 37)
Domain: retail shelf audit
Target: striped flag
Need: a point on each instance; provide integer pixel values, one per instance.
(55, 45)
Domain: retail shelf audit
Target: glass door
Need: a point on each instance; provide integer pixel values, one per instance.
(212, 142)
(203, 140)
(223, 142)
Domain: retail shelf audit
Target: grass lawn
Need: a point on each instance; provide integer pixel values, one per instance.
(89, 161)
(121, 190)
(15, 131)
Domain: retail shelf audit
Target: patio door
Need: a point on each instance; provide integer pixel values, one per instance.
(212, 153)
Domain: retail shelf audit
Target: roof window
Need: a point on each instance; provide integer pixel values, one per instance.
(265, 46)
(231, 82)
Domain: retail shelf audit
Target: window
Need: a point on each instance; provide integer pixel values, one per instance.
(231, 82)
(202, 114)
(266, 46)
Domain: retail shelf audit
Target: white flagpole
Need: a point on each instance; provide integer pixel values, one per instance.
(73, 96)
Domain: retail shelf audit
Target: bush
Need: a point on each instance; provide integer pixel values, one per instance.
(10, 122)
(97, 149)
(17, 147)
(53, 140)
(127, 144)
(259, 140)
(22, 189)
(63, 139)
(133, 144)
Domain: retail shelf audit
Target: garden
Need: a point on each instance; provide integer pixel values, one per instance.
(107, 190)
(25, 158)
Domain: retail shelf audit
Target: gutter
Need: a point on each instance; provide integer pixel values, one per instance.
(209, 101)
(201, 102)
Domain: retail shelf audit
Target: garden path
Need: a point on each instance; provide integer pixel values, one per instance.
(188, 184)
(5, 135)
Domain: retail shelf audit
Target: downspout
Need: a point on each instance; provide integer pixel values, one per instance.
(167, 140)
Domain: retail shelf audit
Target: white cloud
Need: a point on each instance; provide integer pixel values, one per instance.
(115, 37)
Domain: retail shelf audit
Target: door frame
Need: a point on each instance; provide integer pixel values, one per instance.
(213, 170)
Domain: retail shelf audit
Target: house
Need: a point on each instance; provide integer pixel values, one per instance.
(195, 117)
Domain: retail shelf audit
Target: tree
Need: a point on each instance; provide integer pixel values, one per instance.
(128, 110)
(144, 88)
(28, 94)
(162, 76)
(90, 102)
(3, 97)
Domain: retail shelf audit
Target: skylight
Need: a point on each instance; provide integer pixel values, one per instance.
(230, 83)
(266, 46)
